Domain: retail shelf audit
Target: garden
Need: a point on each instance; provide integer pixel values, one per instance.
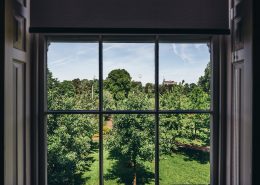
(128, 139)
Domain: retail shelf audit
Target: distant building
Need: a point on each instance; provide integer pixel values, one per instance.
(169, 82)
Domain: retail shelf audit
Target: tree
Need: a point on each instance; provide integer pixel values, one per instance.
(149, 89)
(118, 83)
(191, 129)
(173, 127)
(200, 101)
(132, 137)
(69, 136)
(175, 98)
(69, 148)
(87, 96)
(108, 103)
(136, 86)
(76, 83)
(204, 81)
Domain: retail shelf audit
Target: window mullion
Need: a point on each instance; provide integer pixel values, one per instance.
(128, 112)
(157, 110)
(100, 53)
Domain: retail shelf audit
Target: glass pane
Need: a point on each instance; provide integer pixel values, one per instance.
(72, 76)
(129, 149)
(73, 149)
(184, 149)
(184, 76)
(128, 73)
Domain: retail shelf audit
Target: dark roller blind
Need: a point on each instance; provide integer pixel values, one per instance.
(205, 16)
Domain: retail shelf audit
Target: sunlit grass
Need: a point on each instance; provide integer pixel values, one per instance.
(179, 169)
(175, 169)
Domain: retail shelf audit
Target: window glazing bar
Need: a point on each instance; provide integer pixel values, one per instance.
(100, 52)
(129, 112)
(157, 111)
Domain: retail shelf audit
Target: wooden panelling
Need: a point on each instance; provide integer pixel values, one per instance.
(22, 2)
(17, 166)
(237, 120)
(238, 39)
(256, 92)
(19, 33)
(237, 25)
(19, 122)
(239, 114)
(15, 140)
(2, 24)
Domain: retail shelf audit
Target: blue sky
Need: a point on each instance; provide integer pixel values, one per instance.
(178, 62)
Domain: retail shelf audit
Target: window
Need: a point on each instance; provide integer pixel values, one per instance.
(129, 110)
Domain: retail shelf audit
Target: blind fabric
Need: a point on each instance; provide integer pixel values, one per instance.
(129, 14)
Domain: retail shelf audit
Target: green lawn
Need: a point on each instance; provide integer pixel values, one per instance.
(179, 169)
(175, 169)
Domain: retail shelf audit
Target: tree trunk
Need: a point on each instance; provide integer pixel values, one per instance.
(134, 181)
(195, 130)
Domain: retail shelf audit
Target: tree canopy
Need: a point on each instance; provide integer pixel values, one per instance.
(204, 81)
(118, 83)
(132, 137)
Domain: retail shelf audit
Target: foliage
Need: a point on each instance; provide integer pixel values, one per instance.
(131, 140)
(149, 89)
(118, 83)
(69, 136)
(132, 137)
(108, 101)
(175, 99)
(204, 81)
(106, 130)
(136, 86)
(69, 148)
(180, 129)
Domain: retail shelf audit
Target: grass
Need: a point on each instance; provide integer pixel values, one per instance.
(180, 169)
(176, 169)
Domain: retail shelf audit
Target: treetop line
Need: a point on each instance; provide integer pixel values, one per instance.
(119, 83)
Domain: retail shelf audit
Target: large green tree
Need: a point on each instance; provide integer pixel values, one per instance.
(118, 83)
(132, 137)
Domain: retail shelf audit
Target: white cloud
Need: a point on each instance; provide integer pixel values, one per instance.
(182, 61)
(191, 53)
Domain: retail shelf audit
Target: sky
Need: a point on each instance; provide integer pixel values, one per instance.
(177, 62)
